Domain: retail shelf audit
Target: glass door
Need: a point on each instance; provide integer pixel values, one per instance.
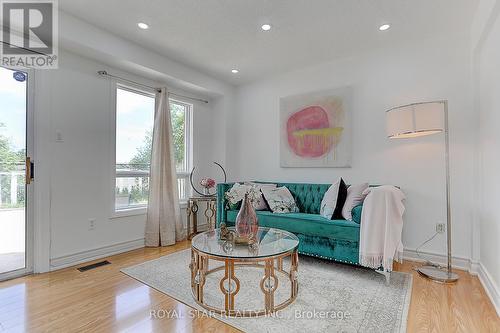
(15, 174)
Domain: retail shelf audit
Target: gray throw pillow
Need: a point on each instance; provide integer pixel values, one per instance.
(355, 197)
(280, 200)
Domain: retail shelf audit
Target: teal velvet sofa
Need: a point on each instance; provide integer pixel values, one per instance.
(319, 237)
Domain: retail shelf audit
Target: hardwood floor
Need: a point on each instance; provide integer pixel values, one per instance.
(105, 300)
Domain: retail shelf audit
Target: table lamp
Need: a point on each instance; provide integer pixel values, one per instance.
(420, 119)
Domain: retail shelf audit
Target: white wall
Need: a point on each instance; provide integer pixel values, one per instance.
(430, 70)
(488, 88)
(75, 101)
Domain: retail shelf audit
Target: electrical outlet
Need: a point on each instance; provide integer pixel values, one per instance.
(59, 136)
(91, 224)
(440, 227)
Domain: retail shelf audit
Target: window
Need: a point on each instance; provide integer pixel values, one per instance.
(181, 133)
(134, 132)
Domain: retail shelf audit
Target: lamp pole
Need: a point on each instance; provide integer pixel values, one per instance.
(448, 204)
(430, 271)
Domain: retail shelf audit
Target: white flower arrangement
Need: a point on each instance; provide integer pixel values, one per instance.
(253, 193)
(238, 191)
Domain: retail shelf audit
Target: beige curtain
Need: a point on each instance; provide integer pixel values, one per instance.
(163, 225)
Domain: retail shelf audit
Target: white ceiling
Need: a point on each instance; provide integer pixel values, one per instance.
(215, 36)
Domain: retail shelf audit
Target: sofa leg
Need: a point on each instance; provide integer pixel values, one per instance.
(387, 276)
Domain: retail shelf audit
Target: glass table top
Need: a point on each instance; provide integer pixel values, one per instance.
(270, 242)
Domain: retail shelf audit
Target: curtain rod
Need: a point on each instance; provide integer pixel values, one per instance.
(104, 73)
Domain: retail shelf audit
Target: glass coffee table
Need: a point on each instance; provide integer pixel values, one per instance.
(272, 248)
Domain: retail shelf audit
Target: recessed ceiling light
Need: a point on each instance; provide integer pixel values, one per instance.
(142, 25)
(384, 27)
(266, 27)
(234, 71)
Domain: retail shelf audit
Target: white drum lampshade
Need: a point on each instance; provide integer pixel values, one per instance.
(413, 120)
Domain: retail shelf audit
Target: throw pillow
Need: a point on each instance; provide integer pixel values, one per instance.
(337, 213)
(333, 200)
(354, 198)
(280, 200)
(367, 191)
(260, 203)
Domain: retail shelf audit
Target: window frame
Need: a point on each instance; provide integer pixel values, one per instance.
(188, 142)
(188, 153)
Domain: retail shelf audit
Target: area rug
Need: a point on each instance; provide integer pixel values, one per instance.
(332, 297)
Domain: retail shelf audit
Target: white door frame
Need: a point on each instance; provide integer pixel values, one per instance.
(30, 202)
(42, 156)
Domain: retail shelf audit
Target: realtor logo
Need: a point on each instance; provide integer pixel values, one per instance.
(29, 34)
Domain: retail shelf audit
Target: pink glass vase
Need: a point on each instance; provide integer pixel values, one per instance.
(247, 223)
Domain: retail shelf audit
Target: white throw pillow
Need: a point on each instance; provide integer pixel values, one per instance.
(355, 197)
(329, 201)
(260, 203)
(280, 200)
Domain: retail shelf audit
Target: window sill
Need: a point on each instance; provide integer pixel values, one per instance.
(129, 212)
(139, 211)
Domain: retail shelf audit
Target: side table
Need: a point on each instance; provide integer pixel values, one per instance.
(193, 205)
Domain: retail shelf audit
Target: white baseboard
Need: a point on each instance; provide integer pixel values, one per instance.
(461, 263)
(85, 256)
(105, 251)
(490, 287)
(473, 267)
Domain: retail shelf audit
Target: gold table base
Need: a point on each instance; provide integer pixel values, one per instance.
(193, 206)
(268, 283)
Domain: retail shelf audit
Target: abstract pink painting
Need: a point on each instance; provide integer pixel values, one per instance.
(315, 129)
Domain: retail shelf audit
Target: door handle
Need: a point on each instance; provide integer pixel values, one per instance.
(29, 170)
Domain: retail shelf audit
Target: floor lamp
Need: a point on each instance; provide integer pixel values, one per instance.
(419, 119)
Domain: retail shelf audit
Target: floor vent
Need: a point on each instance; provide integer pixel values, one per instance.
(92, 266)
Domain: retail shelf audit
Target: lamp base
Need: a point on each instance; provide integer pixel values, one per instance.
(437, 274)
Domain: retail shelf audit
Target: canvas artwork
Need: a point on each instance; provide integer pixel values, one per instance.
(316, 129)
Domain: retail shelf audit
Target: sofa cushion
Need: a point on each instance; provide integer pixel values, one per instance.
(306, 224)
(356, 214)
